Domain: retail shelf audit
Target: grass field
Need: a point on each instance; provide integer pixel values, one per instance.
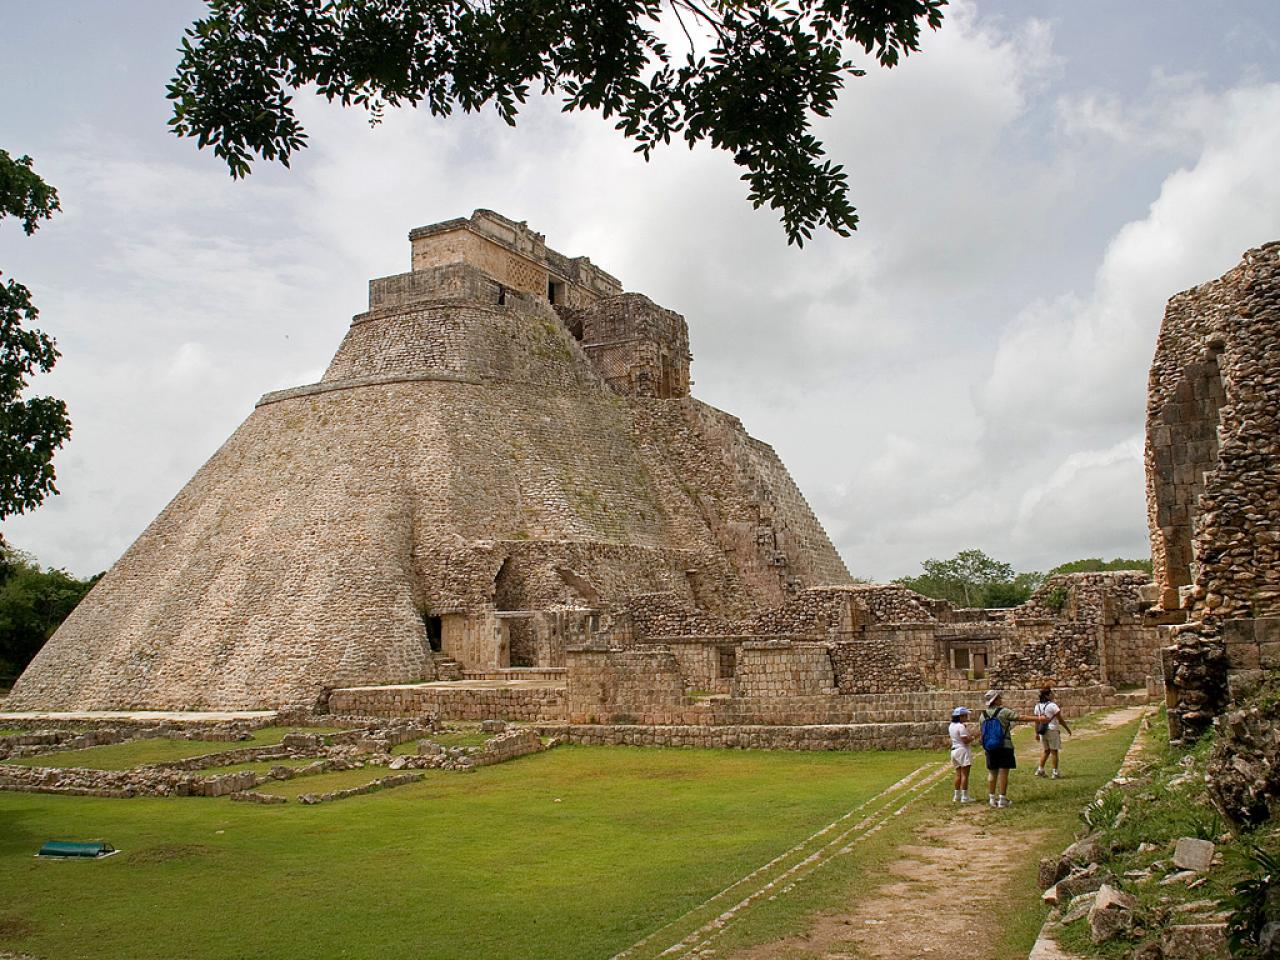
(575, 853)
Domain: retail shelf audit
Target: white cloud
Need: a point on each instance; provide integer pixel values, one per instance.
(967, 371)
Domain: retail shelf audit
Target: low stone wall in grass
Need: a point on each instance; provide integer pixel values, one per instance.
(40, 741)
(508, 746)
(142, 782)
(919, 707)
(382, 783)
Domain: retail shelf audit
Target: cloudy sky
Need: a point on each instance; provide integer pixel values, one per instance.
(968, 370)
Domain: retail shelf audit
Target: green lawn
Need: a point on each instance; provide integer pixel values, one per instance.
(575, 853)
(132, 753)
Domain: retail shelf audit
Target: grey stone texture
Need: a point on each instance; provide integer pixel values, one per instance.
(1213, 485)
(1191, 853)
(1213, 446)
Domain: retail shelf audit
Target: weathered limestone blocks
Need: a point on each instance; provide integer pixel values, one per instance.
(1195, 681)
(874, 736)
(779, 669)
(508, 746)
(874, 666)
(455, 703)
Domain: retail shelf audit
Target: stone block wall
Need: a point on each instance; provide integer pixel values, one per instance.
(781, 669)
(623, 683)
(1213, 446)
(525, 704)
(639, 348)
(875, 666)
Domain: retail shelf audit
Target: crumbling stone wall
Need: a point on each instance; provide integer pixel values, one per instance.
(1213, 446)
(639, 348)
(1213, 481)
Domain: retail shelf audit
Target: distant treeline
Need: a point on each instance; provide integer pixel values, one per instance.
(33, 602)
(972, 579)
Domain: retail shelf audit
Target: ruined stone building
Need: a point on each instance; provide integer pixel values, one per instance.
(1213, 483)
(503, 447)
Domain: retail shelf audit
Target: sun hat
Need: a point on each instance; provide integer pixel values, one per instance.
(992, 696)
(959, 712)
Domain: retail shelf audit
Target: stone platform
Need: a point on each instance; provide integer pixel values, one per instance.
(526, 700)
(136, 716)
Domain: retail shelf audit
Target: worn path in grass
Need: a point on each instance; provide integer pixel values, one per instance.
(953, 879)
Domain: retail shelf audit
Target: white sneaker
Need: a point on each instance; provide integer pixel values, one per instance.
(1004, 802)
(1039, 771)
(1057, 775)
(991, 800)
(965, 798)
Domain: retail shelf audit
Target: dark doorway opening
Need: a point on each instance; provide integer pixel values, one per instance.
(435, 632)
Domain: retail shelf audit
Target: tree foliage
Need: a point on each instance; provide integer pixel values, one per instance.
(752, 78)
(972, 579)
(1098, 565)
(33, 603)
(31, 429)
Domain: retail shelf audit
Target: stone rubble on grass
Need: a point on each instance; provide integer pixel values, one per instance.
(1078, 908)
(1111, 915)
(1193, 854)
(1081, 880)
(1182, 876)
(370, 743)
(1195, 941)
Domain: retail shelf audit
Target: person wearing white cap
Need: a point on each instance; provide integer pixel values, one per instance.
(997, 741)
(961, 753)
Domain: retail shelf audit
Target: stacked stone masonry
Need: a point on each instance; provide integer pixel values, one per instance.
(1213, 485)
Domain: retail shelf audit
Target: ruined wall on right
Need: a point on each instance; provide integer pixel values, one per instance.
(1213, 446)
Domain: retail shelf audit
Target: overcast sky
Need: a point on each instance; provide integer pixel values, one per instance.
(968, 370)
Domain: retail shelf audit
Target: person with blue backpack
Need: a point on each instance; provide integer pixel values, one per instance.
(997, 741)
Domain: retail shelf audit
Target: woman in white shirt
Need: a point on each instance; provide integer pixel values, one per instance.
(1048, 719)
(961, 754)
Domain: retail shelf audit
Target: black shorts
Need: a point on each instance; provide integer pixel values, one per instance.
(1001, 759)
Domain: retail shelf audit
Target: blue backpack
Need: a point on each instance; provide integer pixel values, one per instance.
(993, 732)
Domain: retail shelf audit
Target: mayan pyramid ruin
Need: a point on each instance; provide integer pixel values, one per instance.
(503, 448)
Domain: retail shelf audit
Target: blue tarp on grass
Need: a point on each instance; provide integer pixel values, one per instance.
(70, 850)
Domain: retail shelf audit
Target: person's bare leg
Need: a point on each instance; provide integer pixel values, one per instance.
(1004, 783)
(1054, 755)
(991, 785)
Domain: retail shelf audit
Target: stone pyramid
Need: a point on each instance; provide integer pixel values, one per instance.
(503, 448)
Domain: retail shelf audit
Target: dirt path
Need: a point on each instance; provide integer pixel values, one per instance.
(933, 899)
